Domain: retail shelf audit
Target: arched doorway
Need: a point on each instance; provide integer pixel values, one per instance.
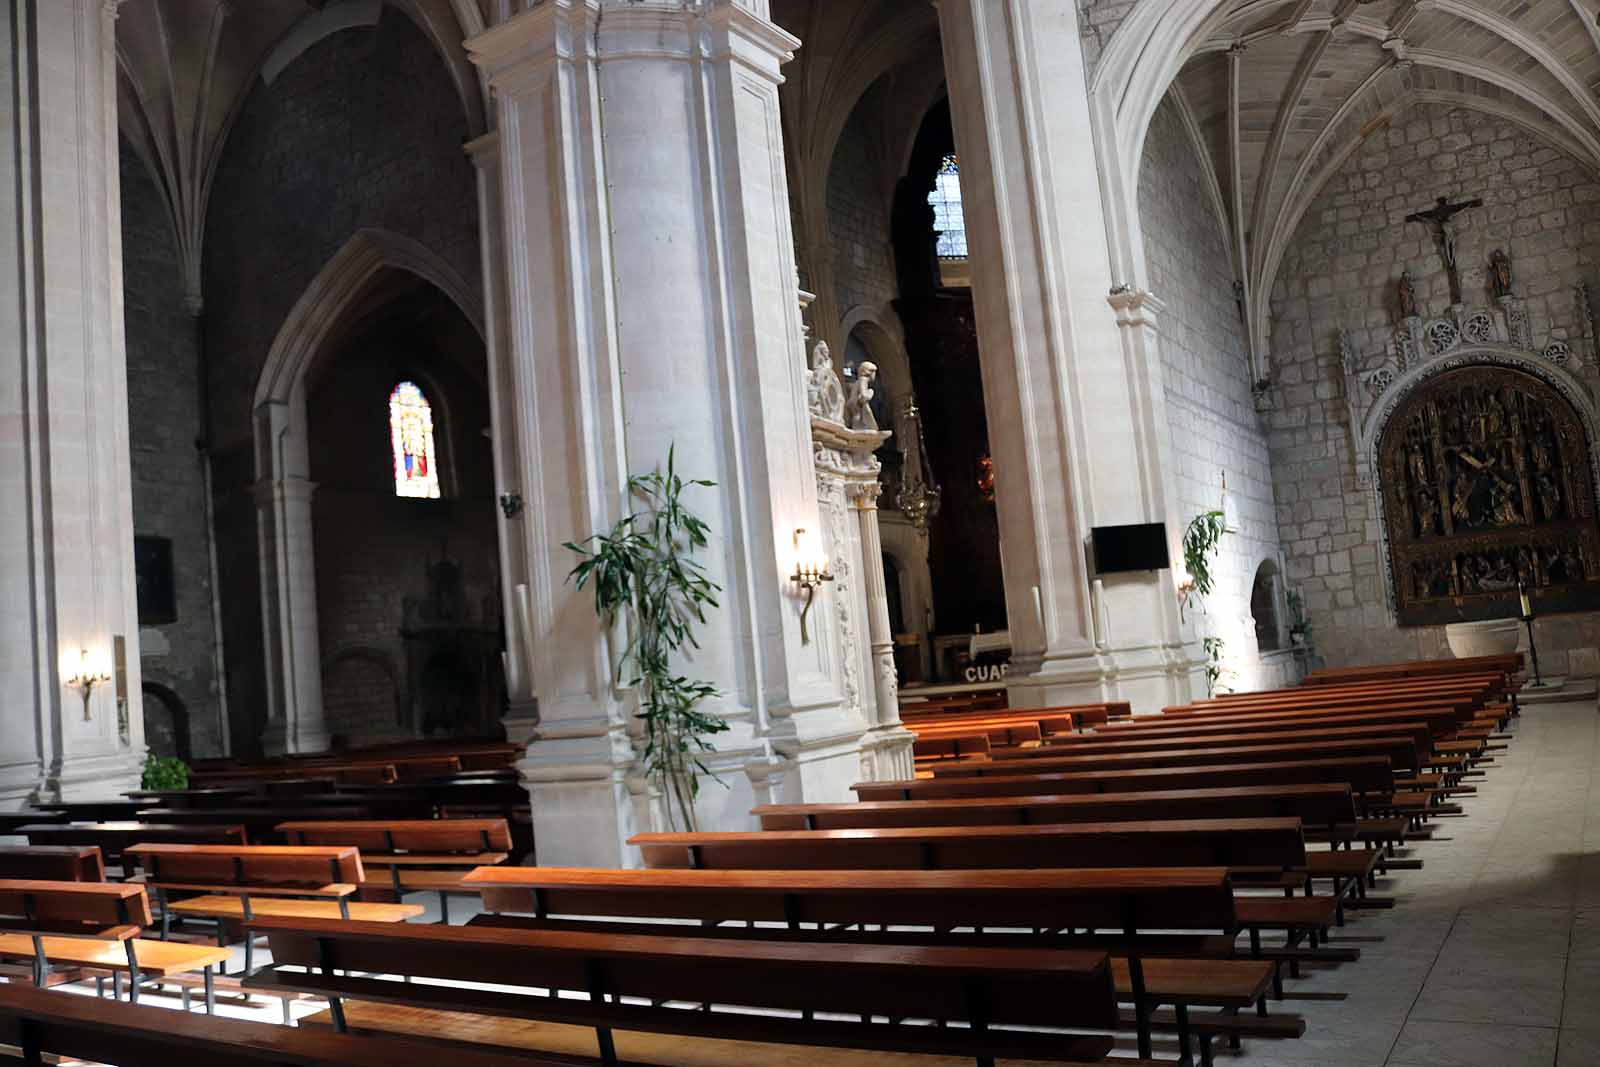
(1266, 598)
(166, 722)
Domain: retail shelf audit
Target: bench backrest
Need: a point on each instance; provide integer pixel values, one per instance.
(1159, 898)
(253, 866)
(1019, 986)
(113, 837)
(1369, 774)
(42, 1024)
(1402, 753)
(53, 863)
(403, 835)
(957, 746)
(1181, 843)
(81, 908)
(1418, 732)
(1313, 805)
(1440, 719)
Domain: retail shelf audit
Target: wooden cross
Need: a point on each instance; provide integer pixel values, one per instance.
(1438, 218)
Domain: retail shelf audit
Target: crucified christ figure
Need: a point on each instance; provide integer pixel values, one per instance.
(1438, 218)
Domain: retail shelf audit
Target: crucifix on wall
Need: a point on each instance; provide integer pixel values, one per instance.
(1439, 219)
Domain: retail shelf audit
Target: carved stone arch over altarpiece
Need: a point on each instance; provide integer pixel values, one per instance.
(1485, 474)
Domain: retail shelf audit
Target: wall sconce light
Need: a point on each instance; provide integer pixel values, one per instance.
(810, 571)
(85, 678)
(511, 504)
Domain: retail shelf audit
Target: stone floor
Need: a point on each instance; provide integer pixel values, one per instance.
(1492, 956)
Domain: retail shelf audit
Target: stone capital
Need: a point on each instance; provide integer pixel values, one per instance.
(1135, 307)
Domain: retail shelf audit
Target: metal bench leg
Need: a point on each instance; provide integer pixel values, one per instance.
(1181, 1011)
(211, 992)
(444, 907)
(133, 971)
(183, 993)
(166, 913)
(249, 951)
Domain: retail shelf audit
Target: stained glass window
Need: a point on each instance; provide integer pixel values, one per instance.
(948, 219)
(416, 472)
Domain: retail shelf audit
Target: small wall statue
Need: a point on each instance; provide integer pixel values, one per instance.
(1408, 297)
(1500, 273)
(858, 408)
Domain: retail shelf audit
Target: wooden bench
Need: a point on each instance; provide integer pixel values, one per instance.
(704, 988)
(936, 907)
(112, 838)
(1401, 751)
(236, 883)
(958, 746)
(1259, 848)
(92, 927)
(50, 1028)
(431, 855)
(53, 863)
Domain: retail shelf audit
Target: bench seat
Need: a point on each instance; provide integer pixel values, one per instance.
(633, 1047)
(157, 959)
(231, 907)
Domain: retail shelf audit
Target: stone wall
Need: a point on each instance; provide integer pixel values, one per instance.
(363, 130)
(375, 551)
(1340, 274)
(1206, 369)
(1097, 22)
(178, 658)
(858, 220)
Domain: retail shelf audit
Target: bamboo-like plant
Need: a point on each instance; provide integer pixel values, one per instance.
(644, 573)
(1200, 541)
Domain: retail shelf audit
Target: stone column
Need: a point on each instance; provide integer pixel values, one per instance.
(66, 500)
(1075, 405)
(512, 511)
(295, 720)
(651, 295)
(886, 750)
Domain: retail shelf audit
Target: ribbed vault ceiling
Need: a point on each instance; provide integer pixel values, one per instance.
(1278, 93)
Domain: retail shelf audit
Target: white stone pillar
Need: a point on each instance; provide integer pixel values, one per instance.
(515, 592)
(886, 750)
(650, 281)
(295, 720)
(1074, 403)
(66, 501)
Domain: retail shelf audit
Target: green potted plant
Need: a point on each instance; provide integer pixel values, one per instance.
(164, 773)
(1299, 626)
(1200, 541)
(644, 575)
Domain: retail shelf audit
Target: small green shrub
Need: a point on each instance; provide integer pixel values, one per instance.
(165, 772)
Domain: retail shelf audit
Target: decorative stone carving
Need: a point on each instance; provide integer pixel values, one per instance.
(1518, 330)
(1479, 328)
(824, 393)
(1558, 352)
(858, 410)
(1380, 379)
(1443, 335)
(1407, 292)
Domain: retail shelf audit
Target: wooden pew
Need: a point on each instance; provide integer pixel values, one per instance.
(1330, 808)
(1417, 732)
(1369, 774)
(92, 926)
(997, 990)
(1035, 908)
(432, 855)
(50, 1028)
(1401, 751)
(1258, 847)
(261, 820)
(112, 838)
(238, 882)
(960, 746)
(53, 863)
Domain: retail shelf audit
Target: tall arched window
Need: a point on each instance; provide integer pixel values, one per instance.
(948, 219)
(416, 468)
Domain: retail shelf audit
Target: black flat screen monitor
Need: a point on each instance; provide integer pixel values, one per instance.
(1120, 549)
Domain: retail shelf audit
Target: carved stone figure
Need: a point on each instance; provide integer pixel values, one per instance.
(858, 409)
(1408, 297)
(824, 394)
(1500, 273)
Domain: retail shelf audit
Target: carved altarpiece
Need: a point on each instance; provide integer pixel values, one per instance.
(1474, 441)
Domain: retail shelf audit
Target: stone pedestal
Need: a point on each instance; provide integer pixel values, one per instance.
(66, 511)
(1072, 386)
(650, 304)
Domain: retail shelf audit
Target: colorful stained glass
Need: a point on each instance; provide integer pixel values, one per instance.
(948, 219)
(416, 472)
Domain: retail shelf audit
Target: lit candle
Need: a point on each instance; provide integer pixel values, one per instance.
(1527, 605)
